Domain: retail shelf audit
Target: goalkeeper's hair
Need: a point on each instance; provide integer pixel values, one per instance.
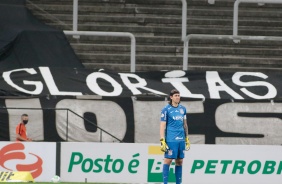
(172, 92)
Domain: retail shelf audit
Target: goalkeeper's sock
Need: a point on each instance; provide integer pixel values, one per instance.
(165, 173)
(178, 174)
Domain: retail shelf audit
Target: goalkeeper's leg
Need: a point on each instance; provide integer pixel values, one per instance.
(166, 165)
(169, 156)
(178, 172)
(179, 162)
(165, 173)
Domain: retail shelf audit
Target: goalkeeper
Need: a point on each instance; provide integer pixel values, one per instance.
(174, 136)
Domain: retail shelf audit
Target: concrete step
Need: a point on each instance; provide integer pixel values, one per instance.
(118, 19)
(177, 50)
(255, 52)
(90, 10)
(157, 27)
(201, 22)
(126, 67)
(218, 3)
(231, 44)
(212, 60)
(159, 30)
(246, 60)
(112, 2)
(176, 42)
(191, 10)
(191, 67)
(140, 40)
(132, 3)
(147, 21)
(118, 48)
(125, 58)
(156, 30)
(144, 67)
(80, 1)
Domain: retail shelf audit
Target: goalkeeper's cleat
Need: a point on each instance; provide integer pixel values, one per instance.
(164, 146)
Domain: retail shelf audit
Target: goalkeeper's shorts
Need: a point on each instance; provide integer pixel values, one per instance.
(176, 150)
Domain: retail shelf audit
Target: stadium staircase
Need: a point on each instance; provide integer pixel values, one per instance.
(156, 25)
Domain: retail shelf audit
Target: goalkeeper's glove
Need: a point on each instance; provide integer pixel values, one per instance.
(164, 146)
(187, 142)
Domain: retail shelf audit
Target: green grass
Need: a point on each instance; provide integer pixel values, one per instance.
(63, 183)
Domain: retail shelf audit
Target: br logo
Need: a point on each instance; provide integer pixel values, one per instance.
(155, 171)
(155, 166)
(15, 151)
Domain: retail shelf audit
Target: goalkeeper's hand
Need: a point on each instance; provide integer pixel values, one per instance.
(164, 146)
(187, 142)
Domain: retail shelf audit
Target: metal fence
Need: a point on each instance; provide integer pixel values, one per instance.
(66, 118)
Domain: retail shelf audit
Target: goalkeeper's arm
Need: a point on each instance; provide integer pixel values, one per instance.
(162, 129)
(187, 141)
(164, 146)
(185, 127)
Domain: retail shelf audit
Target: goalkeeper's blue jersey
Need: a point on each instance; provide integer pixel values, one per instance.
(174, 118)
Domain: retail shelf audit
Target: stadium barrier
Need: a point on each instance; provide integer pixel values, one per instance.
(142, 163)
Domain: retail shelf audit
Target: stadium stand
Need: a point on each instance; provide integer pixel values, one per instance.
(157, 27)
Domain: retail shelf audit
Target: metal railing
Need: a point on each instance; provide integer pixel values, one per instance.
(219, 37)
(186, 39)
(67, 120)
(75, 15)
(117, 34)
(236, 10)
(77, 33)
(184, 19)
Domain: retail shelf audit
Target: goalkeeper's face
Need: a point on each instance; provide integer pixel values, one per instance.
(175, 98)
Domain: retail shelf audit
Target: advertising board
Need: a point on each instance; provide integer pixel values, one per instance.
(142, 163)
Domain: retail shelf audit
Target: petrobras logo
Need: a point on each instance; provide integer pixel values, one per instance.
(155, 165)
(178, 118)
(15, 151)
(252, 167)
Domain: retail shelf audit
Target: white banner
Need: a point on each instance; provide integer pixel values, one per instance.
(142, 163)
(233, 164)
(100, 162)
(37, 158)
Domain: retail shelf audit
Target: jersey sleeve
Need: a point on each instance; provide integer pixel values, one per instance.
(164, 114)
(18, 129)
